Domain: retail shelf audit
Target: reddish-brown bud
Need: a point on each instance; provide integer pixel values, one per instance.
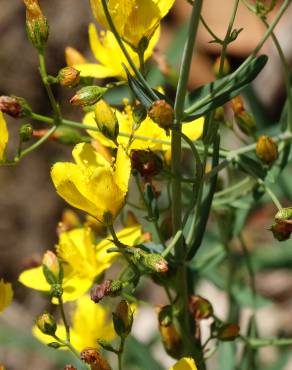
(281, 230)
(200, 307)
(162, 113)
(93, 358)
(266, 149)
(228, 332)
(14, 106)
(147, 163)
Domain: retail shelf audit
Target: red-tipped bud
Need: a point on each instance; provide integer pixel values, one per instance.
(88, 95)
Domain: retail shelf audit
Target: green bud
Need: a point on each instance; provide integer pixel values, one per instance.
(106, 120)
(155, 262)
(123, 319)
(88, 95)
(26, 132)
(47, 324)
(52, 268)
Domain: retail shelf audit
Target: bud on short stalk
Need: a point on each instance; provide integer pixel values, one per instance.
(88, 95)
(266, 149)
(52, 268)
(282, 228)
(14, 106)
(106, 120)
(123, 319)
(200, 307)
(68, 77)
(107, 288)
(226, 67)
(25, 132)
(228, 332)
(47, 324)
(36, 24)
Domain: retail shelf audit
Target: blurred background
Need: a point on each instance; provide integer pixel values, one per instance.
(29, 206)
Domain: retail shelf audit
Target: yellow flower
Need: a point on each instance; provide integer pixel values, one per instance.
(147, 129)
(89, 322)
(185, 364)
(93, 184)
(134, 19)
(3, 136)
(6, 295)
(109, 55)
(83, 262)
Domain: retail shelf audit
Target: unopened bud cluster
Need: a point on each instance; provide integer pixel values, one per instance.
(36, 24)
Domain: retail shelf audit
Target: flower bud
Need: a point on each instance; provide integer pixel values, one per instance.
(237, 104)
(26, 132)
(88, 95)
(73, 57)
(14, 106)
(139, 114)
(52, 268)
(282, 228)
(162, 113)
(246, 123)
(266, 149)
(200, 307)
(106, 120)
(46, 323)
(147, 163)
(123, 319)
(228, 332)
(171, 340)
(93, 358)
(107, 288)
(68, 77)
(36, 24)
(155, 262)
(216, 67)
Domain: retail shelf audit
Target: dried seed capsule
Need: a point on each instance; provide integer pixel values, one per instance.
(147, 163)
(14, 106)
(162, 113)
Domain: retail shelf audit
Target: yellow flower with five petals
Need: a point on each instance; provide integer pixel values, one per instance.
(93, 184)
(89, 322)
(109, 55)
(134, 20)
(83, 261)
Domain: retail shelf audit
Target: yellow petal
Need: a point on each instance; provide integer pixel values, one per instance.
(34, 278)
(89, 322)
(87, 158)
(90, 121)
(122, 170)
(96, 70)
(3, 136)
(70, 185)
(46, 339)
(185, 364)
(75, 286)
(164, 6)
(6, 294)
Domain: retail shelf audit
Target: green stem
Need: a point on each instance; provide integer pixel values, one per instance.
(191, 346)
(154, 221)
(125, 52)
(271, 194)
(286, 72)
(36, 144)
(120, 353)
(265, 342)
(63, 316)
(44, 76)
